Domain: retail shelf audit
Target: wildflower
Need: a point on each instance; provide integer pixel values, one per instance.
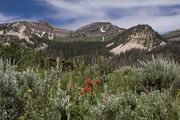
(98, 82)
(86, 89)
(89, 82)
(29, 91)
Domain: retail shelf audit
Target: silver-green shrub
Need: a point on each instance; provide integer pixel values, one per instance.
(30, 94)
(130, 106)
(158, 74)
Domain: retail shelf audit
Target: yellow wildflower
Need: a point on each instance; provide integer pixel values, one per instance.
(29, 91)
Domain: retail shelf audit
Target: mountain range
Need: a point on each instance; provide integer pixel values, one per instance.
(116, 39)
(172, 35)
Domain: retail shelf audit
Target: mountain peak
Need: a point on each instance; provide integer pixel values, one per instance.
(26, 30)
(140, 36)
(97, 29)
(141, 28)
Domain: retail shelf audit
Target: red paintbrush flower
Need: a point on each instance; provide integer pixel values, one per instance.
(89, 82)
(98, 82)
(86, 89)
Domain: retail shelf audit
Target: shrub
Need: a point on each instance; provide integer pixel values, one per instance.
(157, 74)
(121, 80)
(130, 106)
(29, 94)
(80, 108)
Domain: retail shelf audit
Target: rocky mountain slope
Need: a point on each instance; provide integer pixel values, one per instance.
(140, 37)
(172, 35)
(23, 30)
(102, 30)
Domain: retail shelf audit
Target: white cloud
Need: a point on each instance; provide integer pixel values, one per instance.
(72, 10)
(86, 11)
(92, 7)
(79, 5)
(4, 18)
(8, 19)
(161, 24)
(133, 3)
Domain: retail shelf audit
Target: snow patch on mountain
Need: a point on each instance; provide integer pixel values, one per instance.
(40, 35)
(103, 31)
(51, 36)
(43, 34)
(107, 27)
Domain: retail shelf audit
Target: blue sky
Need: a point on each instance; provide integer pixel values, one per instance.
(162, 15)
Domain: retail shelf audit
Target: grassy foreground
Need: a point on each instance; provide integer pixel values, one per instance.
(148, 92)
